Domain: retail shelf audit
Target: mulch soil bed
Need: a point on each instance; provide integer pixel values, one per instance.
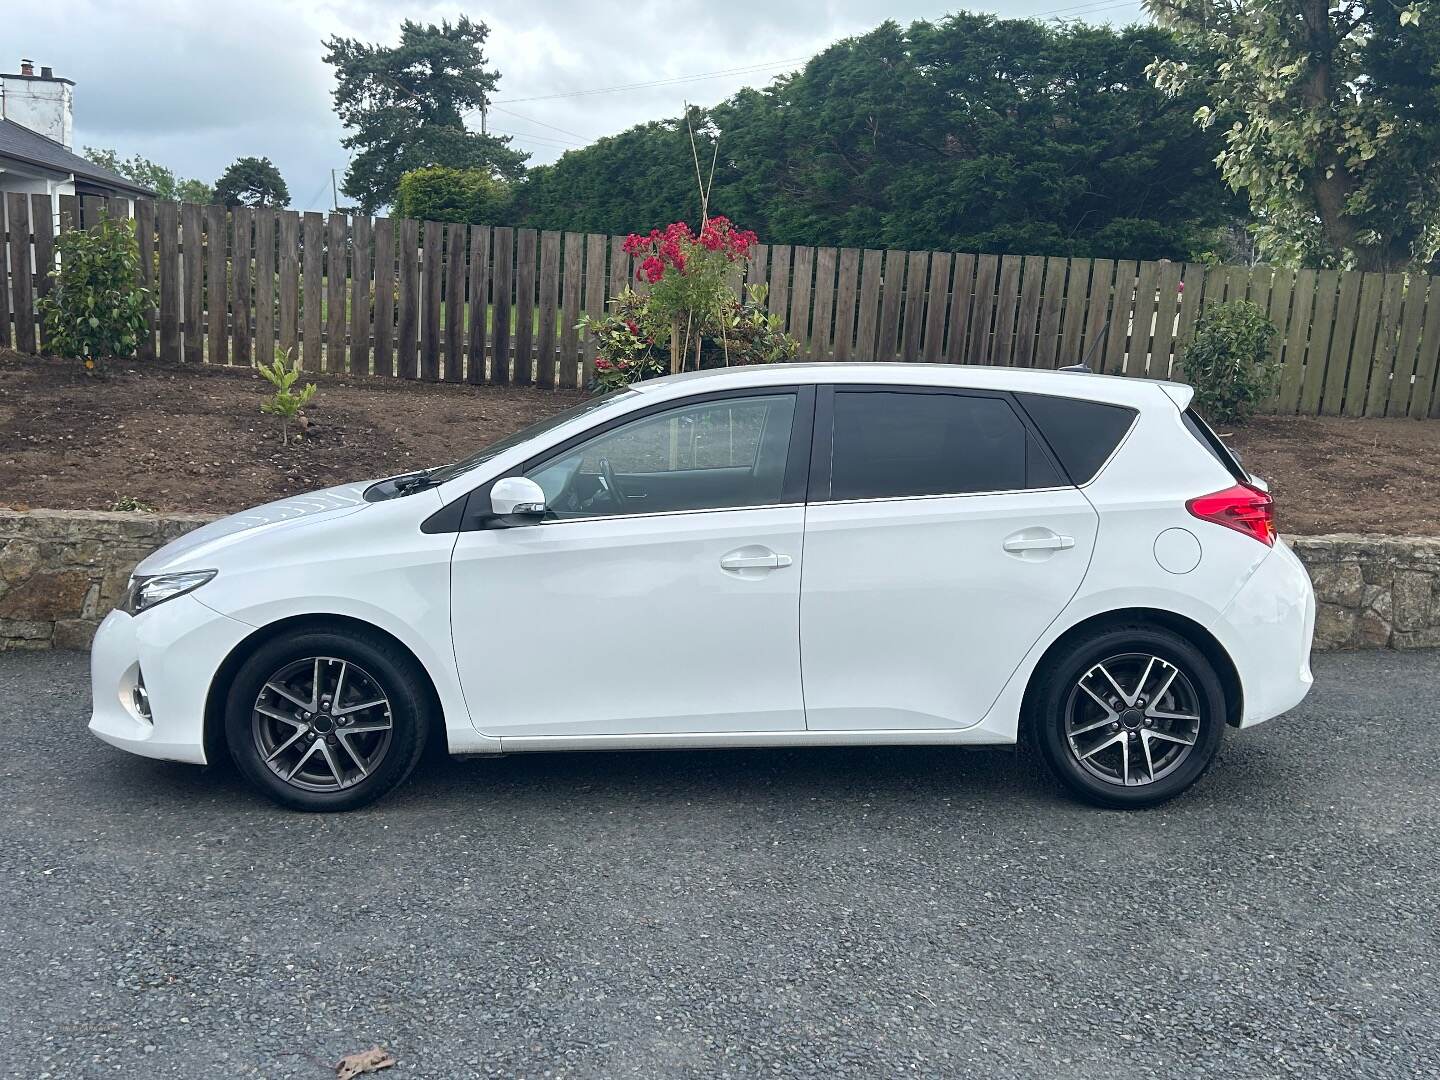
(185, 438)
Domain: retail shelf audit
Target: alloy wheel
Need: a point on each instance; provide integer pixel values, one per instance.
(322, 723)
(1132, 719)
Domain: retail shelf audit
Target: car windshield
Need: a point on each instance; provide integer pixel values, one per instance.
(448, 472)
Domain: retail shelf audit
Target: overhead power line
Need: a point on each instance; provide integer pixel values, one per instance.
(566, 144)
(542, 123)
(1077, 10)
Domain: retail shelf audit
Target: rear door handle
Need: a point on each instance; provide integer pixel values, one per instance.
(1040, 543)
(766, 561)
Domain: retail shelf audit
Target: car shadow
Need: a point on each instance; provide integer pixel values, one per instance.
(959, 779)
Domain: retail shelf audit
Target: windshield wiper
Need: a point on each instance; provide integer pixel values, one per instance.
(415, 481)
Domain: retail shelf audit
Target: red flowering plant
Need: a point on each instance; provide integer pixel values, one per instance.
(626, 352)
(689, 312)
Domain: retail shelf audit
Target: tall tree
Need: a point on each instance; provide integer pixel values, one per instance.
(1331, 110)
(406, 106)
(147, 173)
(252, 181)
(970, 133)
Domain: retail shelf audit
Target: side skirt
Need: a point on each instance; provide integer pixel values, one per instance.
(737, 739)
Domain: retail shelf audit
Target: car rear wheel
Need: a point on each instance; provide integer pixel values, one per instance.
(326, 719)
(1128, 716)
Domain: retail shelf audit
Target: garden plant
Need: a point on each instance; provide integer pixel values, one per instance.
(688, 315)
(1230, 362)
(285, 402)
(95, 310)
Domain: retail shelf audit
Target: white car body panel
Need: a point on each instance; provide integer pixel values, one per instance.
(179, 650)
(579, 596)
(913, 614)
(894, 644)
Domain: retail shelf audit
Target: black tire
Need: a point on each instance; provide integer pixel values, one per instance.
(378, 666)
(1054, 724)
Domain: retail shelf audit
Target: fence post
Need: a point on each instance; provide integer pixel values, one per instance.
(192, 251)
(17, 211)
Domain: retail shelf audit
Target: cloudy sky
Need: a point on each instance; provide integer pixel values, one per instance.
(195, 84)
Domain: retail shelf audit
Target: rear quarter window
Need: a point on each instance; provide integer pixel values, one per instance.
(1082, 434)
(1214, 445)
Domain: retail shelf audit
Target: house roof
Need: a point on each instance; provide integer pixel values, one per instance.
(19, 143)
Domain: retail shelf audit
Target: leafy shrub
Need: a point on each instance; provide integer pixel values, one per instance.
(1229, 362)
(689, 276)
(626, 349)
(689, 313)
(438, 193)
(632, 343)
(95, 310)
(284, 403)
(749, 334)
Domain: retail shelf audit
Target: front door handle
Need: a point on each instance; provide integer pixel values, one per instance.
(1052, 542)
(767, 560)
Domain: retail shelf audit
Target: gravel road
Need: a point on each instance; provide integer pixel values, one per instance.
(827, 913)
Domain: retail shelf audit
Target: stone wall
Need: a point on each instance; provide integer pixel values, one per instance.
(1374, 591)
(62, 570)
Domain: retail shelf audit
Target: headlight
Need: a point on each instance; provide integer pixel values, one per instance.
(146, 592)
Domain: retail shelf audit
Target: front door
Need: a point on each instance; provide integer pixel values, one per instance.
(661, 592)
(941, 544)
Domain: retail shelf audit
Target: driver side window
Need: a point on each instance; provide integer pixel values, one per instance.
(712, 455)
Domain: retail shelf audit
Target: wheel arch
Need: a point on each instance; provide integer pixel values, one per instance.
(214, 730)
(1182, 625)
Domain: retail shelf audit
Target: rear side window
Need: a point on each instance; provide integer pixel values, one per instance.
(896, 444)
(1083, 434)
(1206, 437)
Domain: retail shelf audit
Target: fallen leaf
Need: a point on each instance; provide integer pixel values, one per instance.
(364, 1061)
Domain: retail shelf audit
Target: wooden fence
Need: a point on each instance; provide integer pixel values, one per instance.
(425, 300)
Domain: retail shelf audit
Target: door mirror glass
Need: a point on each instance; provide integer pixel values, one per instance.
(517, 497)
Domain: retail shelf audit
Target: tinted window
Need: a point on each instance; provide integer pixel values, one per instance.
(1083, 434)
(706, 456)
(1205, 435)
(889, 444)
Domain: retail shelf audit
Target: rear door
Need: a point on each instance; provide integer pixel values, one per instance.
(941, 539)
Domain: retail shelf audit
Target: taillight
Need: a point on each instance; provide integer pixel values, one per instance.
(1242, 508)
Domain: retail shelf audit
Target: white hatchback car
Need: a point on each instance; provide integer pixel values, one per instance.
(797, 555)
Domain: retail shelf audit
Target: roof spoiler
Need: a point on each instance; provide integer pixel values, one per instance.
(1180, 393)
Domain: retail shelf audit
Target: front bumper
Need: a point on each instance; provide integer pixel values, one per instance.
(178, 646)
(1267, 630)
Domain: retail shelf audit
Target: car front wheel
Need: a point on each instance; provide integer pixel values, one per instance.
(1129, 717)
(326, 719)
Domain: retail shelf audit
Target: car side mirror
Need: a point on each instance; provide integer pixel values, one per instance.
(516, 500)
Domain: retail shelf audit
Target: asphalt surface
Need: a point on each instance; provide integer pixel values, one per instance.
(826, 913)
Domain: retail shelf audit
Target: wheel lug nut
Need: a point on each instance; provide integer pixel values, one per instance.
(1115, 726)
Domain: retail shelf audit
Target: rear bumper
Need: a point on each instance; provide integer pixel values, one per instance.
(1267, 630)
(177, 646)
